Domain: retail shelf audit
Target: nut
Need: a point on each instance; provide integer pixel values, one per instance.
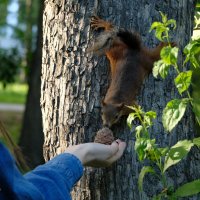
(104, 136)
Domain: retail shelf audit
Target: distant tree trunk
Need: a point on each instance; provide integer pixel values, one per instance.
(73, 84)
(31, 139)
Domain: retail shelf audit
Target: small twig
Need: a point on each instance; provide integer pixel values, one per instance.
(15, 149)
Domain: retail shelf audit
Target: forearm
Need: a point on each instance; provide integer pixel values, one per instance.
(57, 177)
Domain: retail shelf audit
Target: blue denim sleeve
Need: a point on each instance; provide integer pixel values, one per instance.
(56, 178)
(12, 184)
(53, 180)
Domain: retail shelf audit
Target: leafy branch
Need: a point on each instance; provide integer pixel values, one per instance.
(145, 147)
(175, 109)
(163, 158)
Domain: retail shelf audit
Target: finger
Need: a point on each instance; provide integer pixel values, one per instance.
(115, 157)
(118, 141)
(112, 159)
(114, 148)
(104, 152)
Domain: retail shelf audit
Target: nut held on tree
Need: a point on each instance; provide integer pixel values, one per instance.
(104, 136)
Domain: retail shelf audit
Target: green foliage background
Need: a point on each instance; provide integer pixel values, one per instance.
(17, 61)
(162, 158)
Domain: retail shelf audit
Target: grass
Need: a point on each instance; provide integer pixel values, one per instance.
(16, 94)
(13, 93)
(13, 123)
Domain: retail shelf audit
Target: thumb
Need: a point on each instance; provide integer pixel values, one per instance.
(119, 153)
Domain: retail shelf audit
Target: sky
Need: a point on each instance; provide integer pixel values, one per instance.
(7, 41)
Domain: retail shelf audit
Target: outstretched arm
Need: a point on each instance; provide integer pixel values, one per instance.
(57, 177)
(98, 155)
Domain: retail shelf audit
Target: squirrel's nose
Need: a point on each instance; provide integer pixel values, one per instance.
(107, 125)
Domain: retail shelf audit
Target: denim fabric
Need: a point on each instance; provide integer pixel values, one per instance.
(53, 180)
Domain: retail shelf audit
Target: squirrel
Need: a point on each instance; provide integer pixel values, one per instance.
(130, 63)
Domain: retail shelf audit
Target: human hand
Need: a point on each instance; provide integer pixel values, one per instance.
(98, 155)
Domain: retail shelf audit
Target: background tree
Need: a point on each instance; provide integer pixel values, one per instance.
(31, 139)
(21, 54)
(4, 12)
(10, 58)
(73, 84)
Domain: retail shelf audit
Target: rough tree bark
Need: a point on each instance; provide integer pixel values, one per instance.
(73, 84)
(31, 139)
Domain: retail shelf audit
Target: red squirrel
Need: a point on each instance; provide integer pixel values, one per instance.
(130, 63)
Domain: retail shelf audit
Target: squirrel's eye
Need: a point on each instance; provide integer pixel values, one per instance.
(116, 116)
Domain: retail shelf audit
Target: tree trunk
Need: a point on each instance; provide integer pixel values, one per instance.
(73, 84)
(31, 139)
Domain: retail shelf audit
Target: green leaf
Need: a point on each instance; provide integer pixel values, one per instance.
(160, 68)
(196, 141)
(196, 103)
(192, 52)
(164, 17)
(156, 68)
(194, 61)
(187, 59)
(192, 47)
(174, 55)
(169, 55)
(153, 154)
(130, 119)
(171, 22)
(144, 170)
(188, 189)
(183, 81)
(151, 114)
(145, 148)
(138, 131)
(173, 113)
(155, 25)
(165, 54)
(159, 32)
(148, 117)
(140, 146)
(177, 153)
(163, 151)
